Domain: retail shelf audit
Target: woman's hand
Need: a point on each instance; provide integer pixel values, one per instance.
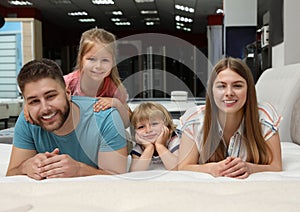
(236, 168)
(217, 169)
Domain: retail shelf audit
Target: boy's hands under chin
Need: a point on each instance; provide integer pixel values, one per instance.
(140, 140)
(163, 137)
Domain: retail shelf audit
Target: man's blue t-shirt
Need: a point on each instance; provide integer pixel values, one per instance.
(96, 132)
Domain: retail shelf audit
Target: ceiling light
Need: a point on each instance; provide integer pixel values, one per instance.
(219, 11)
(117, 12)
(183, 19)
(148, 12)
(183, 28)
(87, 20)
(151, 19)
(20, 3)
(79, 13)
(125, 23)
(103, 2)
(61, 2)
(118, 19)
(115, 19)
(179, 24)
(149, 23)
(143, 1)
(184, 8)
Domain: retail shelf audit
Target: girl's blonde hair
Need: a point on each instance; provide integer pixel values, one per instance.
(148, 110)
(99, 36)
(258, 151)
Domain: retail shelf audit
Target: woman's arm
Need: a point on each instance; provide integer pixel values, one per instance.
(240, 169)
(189, 157)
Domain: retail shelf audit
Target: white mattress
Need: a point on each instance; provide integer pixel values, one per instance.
(156, 190)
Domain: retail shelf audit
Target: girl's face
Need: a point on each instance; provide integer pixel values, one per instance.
(229, 91)
(97, 63)
(149, 129)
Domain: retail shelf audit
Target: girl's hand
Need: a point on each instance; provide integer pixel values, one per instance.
(103, 103)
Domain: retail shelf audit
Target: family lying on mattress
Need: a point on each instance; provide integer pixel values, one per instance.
(74, 125)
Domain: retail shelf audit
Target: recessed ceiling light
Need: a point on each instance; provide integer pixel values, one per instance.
(184, 8)
(149, 23)
(219, 11)
(115, 19)
(20, 3)
(87, 20)
(183, 19)
(148, 12)
(151, 19)
(143, 1)
(61, 2)
(79, 13)
(118, 19)
(183, 28)
(126, 23)
(103, 2)
(179, 24)
(117, 12)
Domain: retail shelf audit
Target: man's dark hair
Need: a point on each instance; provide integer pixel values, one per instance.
(40, 69)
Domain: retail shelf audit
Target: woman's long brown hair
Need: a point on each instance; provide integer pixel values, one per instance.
(213, 148)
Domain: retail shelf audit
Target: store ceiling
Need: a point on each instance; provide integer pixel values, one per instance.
(57, 14)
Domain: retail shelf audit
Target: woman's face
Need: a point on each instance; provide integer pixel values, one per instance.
(149, 129)
(98, 62)
(229, 91)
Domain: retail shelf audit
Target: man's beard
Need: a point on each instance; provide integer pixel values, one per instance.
(63, 115)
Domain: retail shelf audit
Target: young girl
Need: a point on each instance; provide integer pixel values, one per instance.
(96, 73)
(232, 135)
(157, 141)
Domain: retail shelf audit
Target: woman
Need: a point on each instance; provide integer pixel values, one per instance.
(232, 135)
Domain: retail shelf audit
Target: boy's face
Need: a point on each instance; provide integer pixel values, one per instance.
(149, 129)
(48, 103)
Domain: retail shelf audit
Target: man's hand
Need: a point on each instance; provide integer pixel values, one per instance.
(31, 167)
(59, 166)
